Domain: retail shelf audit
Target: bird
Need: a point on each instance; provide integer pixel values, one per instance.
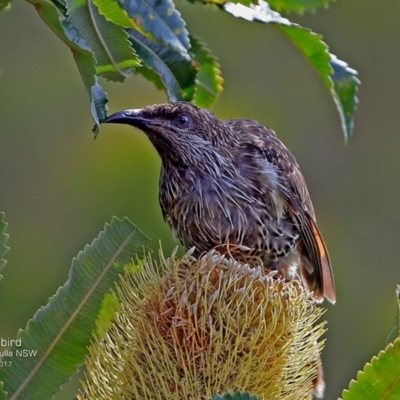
(234, 186)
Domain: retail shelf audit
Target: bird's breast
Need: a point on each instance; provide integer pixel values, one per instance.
(206, 212)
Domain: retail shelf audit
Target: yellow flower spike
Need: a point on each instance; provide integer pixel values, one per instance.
(189, 329)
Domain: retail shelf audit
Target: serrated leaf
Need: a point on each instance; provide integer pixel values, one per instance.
(344, 91)
(113, 12)
(3, 240)
(235, 396)
(298, 6)
(165, 66)
(83, 56)
(160, 21)
(109, 42)
(340, 80)
(395, 333)
(380, 378)
(208, 83)
(197, 80)
(312, 47)
(60, 332)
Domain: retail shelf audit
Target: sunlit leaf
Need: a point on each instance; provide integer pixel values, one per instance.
(312, 47)
(208, 83)
(379, 379)
(297, 5)
(113, 12)
(56, 338)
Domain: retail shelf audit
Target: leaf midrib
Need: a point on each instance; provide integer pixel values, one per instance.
(71, 319)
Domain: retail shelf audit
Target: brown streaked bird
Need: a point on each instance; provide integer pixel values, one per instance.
(234, 186)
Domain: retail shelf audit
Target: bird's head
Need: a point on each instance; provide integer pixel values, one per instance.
(181, 132)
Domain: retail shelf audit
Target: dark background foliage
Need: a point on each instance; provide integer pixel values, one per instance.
(59, 186)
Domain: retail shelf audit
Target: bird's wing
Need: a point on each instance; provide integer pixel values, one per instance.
(316, 268)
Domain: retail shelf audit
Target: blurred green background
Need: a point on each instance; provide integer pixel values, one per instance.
(59, 186)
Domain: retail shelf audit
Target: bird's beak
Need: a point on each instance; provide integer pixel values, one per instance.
(130, 117)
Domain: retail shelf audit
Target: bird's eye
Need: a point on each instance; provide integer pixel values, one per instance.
(182, 120)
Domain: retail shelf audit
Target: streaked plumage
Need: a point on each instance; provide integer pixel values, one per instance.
(234, 186)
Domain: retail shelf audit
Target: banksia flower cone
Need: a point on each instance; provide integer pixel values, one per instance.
(190, 329)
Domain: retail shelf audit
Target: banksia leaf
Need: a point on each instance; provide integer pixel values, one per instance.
(395, 333)
(379, 378)
(54, 343)
(189, 329)
(3, 240)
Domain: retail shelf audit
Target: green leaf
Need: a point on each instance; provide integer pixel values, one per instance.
(160, 21)
(98, 106)
(344, 91)
(109, 42)
(5, 5)
(83, 56)
(163, 65)
(340, 80)
(299, 6)
(113, 12)
(235, 396)
(208, 83)
(197, 80)
(3, 394)
(161, 41)
(312, 47)
(395, 333)
(57, 337)
(3, 240)
(380, 378)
